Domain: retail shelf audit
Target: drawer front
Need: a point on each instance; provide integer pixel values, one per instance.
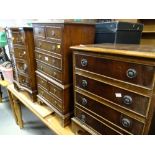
(110, 114)
(39, 31)
(78, 130)
(54, 32)
(20, 53)
(93, 122)
(53, 61)
(42, 82)
(53, 73)
(55, 91)
(49, 46)
(18, 37)
(51, 100)
(24, 81)
(22, 67)
(50, 87)
(124, 98)
(130, 72)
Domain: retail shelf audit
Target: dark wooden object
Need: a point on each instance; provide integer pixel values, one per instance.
(54, 63)
(21, 45)
(114, 88)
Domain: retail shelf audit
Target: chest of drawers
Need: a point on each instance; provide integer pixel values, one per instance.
(21, 45)
(54, 63)
(114, 88)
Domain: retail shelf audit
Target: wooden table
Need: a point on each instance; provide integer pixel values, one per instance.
(45, 114)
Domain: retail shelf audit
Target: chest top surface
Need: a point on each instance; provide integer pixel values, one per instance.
(143, 51)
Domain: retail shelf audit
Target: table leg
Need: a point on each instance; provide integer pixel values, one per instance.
(16, 108)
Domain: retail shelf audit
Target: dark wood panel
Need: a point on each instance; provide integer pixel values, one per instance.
(49, 59)
(119, 96)
(52, 47)
(110, 114)
(54, 32)
(130, 72)
(49, 71)
(92, 122)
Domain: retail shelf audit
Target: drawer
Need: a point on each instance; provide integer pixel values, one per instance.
(20, 53)
(77, 129)
(39, 31)
(53, 61)
(24, 81)
(121, 97)
(53, 73)
(54, 32)
(42, 82)
(18, 37)
(22, 67)
(49, 46)
(116, 117)
(129, 72)
(52, 88)
(56, 91)
(50, 99)
(93, 122)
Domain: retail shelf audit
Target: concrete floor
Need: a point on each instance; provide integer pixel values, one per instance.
(32, 125)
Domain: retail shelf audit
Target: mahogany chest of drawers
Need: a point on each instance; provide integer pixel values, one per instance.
(114, 89)
(54, 63)
(21, 46)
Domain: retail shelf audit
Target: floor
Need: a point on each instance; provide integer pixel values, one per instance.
(8, 126)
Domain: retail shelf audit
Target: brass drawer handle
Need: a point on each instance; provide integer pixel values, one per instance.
(53, 47)
(23, 80)
(84, 101)
(53, 61)
(84, 83)
(39, 44)
(131, 73)
(126, 122)
(54, 74)
(22, 54)
(54, 91)
(52, 33)
(39, 56)
(42, 82)
(79, 132)
(84, 62)
(42, 93)
(83, 118)
(127, 100)
(41, 67)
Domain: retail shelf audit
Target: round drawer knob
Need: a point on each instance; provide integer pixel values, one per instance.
(127, 100)
(84, 101)
(126, 122)
(23, 80)
(83, 118)
(84, 83)
(131, 73)
(84, 62)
